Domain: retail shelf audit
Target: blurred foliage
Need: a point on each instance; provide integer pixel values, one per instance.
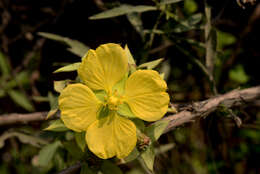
(33, 70)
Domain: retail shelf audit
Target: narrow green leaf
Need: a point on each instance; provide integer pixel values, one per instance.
(76, 47)
(148, 156)
(152, 64)
(47, 152)
(155, 130)
(155, 31)
(26, 139)
(21, 78)
(80, 140)
(108, 167)
(122, 10)
(68, 68)
(56, 126)
(4, 66)
(165, 2)
(20, 99)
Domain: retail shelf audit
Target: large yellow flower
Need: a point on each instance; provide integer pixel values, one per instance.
(103, 105)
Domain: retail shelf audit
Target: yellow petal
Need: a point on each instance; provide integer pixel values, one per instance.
(103, 68)
(79, 107)
(111, 136)
(146, 96)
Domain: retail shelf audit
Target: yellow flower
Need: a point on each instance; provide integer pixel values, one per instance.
(101, 105)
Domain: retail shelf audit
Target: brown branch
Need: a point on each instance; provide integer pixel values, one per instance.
(204, 108)
(72, 169)
(188, 114)
(15, 118)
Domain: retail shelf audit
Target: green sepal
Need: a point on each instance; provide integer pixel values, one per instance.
(124, 110)
(103, 112)
(148, 157)
(68, 68)
(80, 140)
(151, 65)
(56, 126)
(155, 130)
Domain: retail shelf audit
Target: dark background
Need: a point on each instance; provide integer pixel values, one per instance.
(211, 145)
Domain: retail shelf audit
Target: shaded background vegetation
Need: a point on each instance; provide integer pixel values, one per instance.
(211, 145)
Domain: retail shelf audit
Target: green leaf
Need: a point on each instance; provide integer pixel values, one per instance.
(26, 139)
(132, 156)
(136, 21)
(4, 65)
(125, 110)
(224, 39)
(155, 130)
(165, 2)
(73, 150)
(164, 148)
(152, 64)
(148, 157)
(188, 24)
(53, 105)
(2, 93)
(122, 10)
(68, 68)
(47, 152)
(53, 100)
(238, 74)
(108, 167)
(85, 169)
(139, 124)
(56, 126)
(20, 99)
(76, 47)
(80, 140)
(190, 6)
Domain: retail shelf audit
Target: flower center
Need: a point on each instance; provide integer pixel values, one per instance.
(113, 102)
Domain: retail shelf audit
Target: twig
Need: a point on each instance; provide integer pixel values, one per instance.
(188, 114)
(204, 108)
(15, 118)
(72, 169)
